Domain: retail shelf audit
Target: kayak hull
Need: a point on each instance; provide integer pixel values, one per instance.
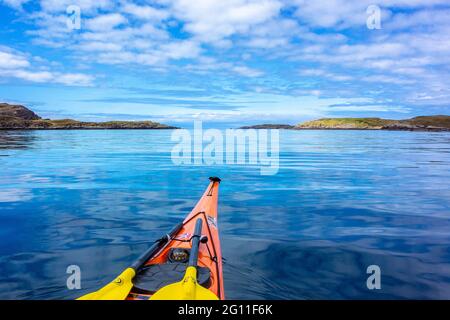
(210, 254)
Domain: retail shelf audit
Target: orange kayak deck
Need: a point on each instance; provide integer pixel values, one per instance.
(159, 265)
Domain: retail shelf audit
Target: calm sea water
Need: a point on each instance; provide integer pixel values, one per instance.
(341, 201)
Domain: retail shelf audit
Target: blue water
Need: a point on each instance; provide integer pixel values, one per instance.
(341, 201)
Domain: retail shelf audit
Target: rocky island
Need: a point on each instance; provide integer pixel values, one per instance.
(18, 117)
(422, 123)
(269, 126)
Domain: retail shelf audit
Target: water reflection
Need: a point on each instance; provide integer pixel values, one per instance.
(321, 269)
(16, 139)
(340, 202)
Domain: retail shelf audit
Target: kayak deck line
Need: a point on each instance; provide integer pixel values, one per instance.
(213, 258)
(186, 263)
(209, 254)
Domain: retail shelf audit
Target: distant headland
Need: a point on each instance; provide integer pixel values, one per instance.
(422, 123)
(18, 117)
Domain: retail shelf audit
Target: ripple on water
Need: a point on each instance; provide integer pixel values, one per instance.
(341, 200)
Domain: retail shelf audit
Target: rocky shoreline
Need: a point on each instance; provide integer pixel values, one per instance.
(269, 126)
(397, 127)
(437, 123)
(18, 117)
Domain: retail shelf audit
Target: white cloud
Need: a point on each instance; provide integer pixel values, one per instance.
(74, 79)
(325, 74)
(16, 4)
(113, 39)
(105, 22)
(145, 12)
(86, 6)
(345, 14)
(33, 76)
(327, 40)
(387, 79)
(247, 72)
(69, 79)
(331, 13)
(431, 18)
(51, 30)
(370, 108)
(212, 21)
(267, 43)
(181, 49)
(99, 46)
(208, 64)
(14, 64)
(128, 58)
(9, 60)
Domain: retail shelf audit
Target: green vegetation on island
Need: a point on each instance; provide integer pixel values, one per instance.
(18, 117)
(269, 126)
(422, 123)
(346, 123)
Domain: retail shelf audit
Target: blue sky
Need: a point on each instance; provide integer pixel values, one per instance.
(234, 61)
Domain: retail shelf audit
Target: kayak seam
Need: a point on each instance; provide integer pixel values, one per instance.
(214, 247)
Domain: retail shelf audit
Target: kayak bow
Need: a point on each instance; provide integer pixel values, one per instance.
(185, 264)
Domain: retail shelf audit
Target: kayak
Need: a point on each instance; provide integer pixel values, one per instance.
(185, 264)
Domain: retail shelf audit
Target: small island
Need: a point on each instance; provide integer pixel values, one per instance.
(269, 126)
(421, 123)
(18, 117)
